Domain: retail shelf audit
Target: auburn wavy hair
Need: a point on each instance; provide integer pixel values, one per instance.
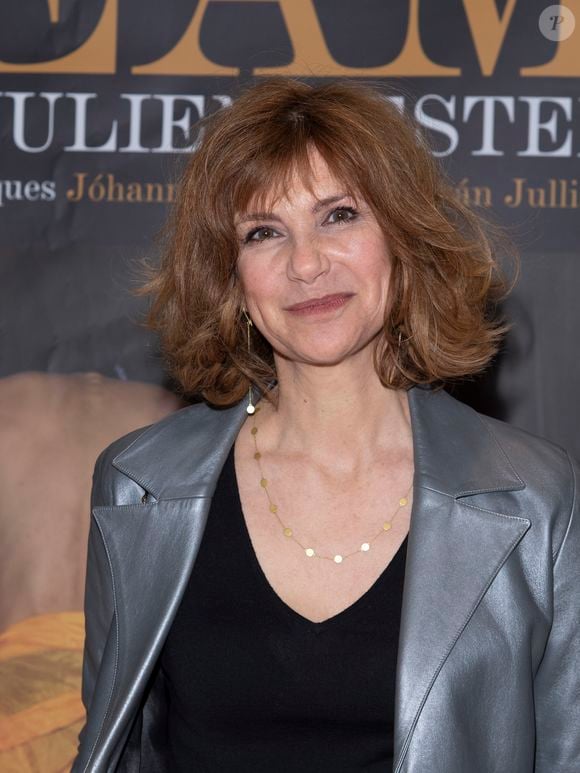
(441, 321)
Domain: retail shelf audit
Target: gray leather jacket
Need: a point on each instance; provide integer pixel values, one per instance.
(488, 674)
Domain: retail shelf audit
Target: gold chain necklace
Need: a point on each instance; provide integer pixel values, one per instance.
(287, 530)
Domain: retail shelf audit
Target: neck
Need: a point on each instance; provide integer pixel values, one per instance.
(341, 412)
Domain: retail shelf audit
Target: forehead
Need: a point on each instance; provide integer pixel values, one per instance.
(308, 178)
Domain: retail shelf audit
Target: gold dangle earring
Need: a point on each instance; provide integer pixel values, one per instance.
(398, 354)
(402, 340)
(250, 408)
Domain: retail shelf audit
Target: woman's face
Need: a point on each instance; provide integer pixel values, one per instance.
(314, 271)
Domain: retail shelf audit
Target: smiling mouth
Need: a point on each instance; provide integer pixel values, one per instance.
(325, 303)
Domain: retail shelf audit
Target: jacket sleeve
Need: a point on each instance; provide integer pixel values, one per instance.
(110, 487)
(98, 607)
(557, 683)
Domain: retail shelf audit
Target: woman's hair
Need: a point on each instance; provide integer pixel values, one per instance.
(444, 284)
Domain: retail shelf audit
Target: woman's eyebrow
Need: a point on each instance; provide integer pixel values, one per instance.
(320, 204)
(329, 200)
(258, 216)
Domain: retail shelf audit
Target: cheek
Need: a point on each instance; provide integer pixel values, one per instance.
(374, 267)
(249, 275)
(258, 285)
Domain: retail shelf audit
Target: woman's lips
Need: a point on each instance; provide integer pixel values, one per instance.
(318, 305)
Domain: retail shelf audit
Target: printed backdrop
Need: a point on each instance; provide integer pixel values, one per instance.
(96, 104)
(97, 101)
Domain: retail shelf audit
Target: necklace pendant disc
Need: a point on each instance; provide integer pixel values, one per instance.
(338, 559)
(309, 552)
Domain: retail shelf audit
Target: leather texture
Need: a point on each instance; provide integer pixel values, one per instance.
(488, 673)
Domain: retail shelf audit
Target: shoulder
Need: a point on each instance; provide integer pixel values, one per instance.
(495, 464)
(538, 461)
(549, 473)
(166, 459)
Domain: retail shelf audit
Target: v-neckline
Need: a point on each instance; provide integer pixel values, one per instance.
(282, 606)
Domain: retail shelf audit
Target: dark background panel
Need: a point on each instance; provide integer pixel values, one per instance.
(68, 268)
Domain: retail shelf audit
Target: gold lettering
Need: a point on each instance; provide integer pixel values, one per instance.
(78, 192)
(573, 200)
(154, 192)
(473, 195)
(106, 188)
(463, 191)
(115, 190)
(312, 57)
(97, 55)
(96, 190)
(566, 61)
(134, 192)
(555, 193)
(569, 194)
(311, 54)
(514, 199)
(552, 183)
(171, 190)
(488, 30)
(53, 10)
(537, 198)
(186, 57)
(481, 195)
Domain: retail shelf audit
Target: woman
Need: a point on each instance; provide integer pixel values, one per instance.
(244, 603)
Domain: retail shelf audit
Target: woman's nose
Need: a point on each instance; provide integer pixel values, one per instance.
(307, 260)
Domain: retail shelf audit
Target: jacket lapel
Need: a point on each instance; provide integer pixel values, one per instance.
(151, 549)
(455, 547)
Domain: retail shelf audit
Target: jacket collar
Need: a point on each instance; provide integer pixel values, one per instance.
(182, 455)
(455, 450)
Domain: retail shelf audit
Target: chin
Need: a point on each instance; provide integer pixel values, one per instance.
(324, 349)
(322, 357)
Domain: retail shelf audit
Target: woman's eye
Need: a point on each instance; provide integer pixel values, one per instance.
(259, 234)
(342, 215)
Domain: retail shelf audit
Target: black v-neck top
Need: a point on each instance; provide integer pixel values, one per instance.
(254, 687)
